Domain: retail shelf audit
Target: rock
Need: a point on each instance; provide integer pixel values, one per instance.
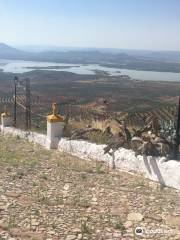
(135, 217)
(76, 230)
(34, 222)
(176, 234)
(116, 211)
(51, 232)
(3, 226)
(128, 224)
(66, 187)
(116, 235)
(71, 237)
(80, 236)
(94, 199)
(173, 221)
(154, 217)
(12, 194)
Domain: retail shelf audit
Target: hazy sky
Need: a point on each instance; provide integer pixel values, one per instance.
(134, 24)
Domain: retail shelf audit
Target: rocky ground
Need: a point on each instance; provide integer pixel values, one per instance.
(50, 195)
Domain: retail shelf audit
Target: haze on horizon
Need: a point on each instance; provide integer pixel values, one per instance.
(124, 24)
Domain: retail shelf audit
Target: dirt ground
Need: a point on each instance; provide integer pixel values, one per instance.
(50, 195)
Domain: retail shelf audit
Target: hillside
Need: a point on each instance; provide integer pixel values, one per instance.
(153, 61)
(7, 52)
(50, 195)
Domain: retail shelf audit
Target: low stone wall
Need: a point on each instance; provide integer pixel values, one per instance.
(30, 136)
(157, 169)
(154, 168)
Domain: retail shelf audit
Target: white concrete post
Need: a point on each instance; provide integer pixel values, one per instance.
(6, 120)
(55, 126)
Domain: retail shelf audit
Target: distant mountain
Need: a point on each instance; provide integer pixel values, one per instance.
(80, 56)
(8, 52)
(83, 57)
(163, 61)
(146, 54)
(173, 56)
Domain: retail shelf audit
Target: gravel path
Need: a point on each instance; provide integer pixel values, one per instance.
(49, 195)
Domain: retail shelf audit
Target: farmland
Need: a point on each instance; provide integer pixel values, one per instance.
(91, 96)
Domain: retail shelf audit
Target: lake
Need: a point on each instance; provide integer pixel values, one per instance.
(16, 66)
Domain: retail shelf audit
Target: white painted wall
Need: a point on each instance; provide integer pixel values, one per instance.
(30, 136)
(157, 169)
(154, 168)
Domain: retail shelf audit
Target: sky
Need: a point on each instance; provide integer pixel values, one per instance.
(124, 24)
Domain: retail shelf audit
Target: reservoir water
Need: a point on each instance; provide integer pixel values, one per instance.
(16, 66)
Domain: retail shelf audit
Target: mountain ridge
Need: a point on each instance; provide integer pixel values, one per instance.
(8, 52)
(151, 61)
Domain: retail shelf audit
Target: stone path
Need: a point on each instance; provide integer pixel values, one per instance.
(50, 195)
